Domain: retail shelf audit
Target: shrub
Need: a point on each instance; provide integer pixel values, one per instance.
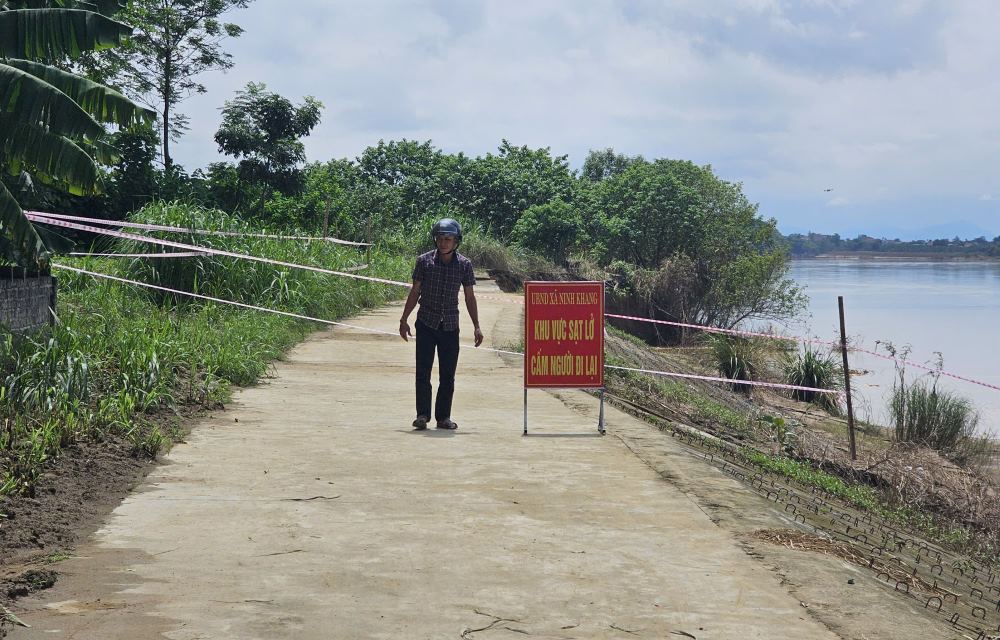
(923, 414)
(810, 368)
(550, 229)
(736, 358)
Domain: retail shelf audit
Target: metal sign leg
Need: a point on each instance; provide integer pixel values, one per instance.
(600, 420)
(525, 411)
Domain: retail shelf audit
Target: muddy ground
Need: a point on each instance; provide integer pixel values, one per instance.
(72, 498)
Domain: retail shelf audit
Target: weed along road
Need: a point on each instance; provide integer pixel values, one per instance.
(309, 508)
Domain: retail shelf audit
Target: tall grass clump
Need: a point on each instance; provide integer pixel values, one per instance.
(926, 415)
(258, 283)
(736, 358)
(811, 368)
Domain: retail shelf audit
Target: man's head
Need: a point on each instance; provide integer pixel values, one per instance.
(447, 235)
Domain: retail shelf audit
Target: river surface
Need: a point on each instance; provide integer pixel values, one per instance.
(951, 308)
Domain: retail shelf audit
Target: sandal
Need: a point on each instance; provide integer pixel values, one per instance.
(447, 423)
(420, 423)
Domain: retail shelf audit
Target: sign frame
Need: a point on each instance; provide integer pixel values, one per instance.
(597, 318)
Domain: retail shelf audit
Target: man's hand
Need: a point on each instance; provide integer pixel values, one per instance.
(404, 330)
(479, 336)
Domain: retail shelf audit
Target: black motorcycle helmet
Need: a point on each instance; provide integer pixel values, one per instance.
(449, 227)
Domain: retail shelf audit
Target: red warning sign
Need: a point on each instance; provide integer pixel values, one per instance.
(564, 334)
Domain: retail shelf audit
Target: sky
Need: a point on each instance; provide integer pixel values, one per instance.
(837, 116)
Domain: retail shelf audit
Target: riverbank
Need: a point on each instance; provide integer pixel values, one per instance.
(898, 255)
(941, 310)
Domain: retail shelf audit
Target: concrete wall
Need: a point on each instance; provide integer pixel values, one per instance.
(25, 300)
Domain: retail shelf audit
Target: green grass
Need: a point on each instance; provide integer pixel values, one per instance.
(121, 356)
(858, 495)
(942, 531)
(706, 410)
(628, 337)
(58, 556)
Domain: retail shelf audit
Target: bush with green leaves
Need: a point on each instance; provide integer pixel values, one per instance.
(700, 251)
(551, 230)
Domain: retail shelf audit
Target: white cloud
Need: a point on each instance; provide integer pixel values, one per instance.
(885, 101)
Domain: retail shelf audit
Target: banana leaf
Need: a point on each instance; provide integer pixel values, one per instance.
(52, 34)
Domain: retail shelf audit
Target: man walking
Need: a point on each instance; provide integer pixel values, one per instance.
(437, 277)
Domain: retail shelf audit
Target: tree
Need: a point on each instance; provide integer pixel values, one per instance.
(550, 229)
(174, 42)
(408, 180)
(409, 170)
(132, 182)
(507, 184)
(691, 245)
(649, 212)
(601, 165)
(50, 123)
(421, 178)
(262, 130)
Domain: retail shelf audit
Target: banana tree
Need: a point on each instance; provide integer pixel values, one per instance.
(51, 121)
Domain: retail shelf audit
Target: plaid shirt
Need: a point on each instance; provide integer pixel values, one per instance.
(439, 288)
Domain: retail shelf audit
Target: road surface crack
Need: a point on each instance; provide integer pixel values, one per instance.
(617, 628)
(467, 633)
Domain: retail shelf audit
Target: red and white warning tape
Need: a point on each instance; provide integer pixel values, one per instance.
(735, 332)
(204, 297)
(203, 232)
(910, 363)
(208, 250)
(717, 379)
(175, 254)
(196, 250)
(343, 324)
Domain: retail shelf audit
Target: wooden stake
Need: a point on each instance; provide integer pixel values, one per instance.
(326, 218)
(847, 380)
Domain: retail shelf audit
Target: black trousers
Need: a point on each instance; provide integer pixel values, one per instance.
(446, 344)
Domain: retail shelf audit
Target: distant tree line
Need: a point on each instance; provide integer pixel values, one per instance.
(814, 244)
(677, 242)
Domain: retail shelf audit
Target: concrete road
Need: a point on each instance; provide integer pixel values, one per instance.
(310, 509)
